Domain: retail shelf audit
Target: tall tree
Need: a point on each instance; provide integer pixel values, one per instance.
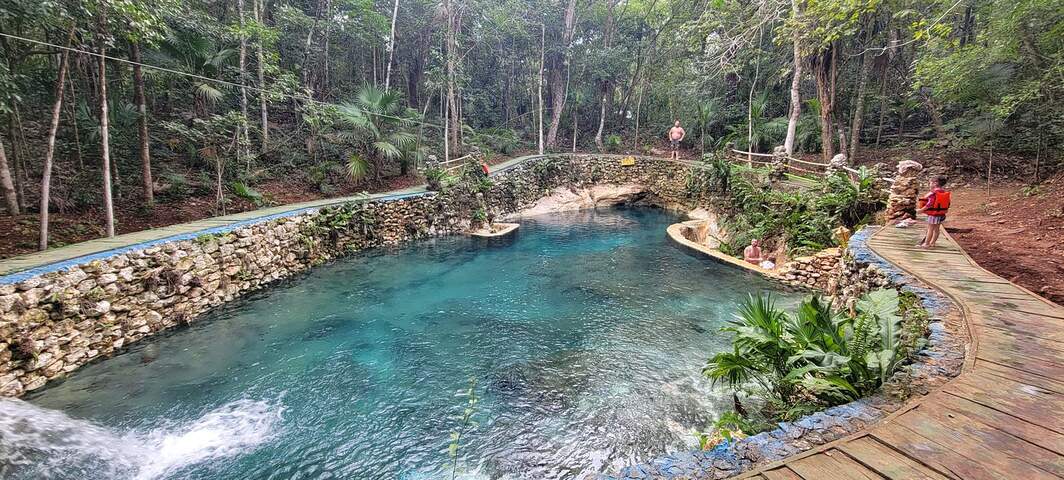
(796, 81)
(49, 153)
(391, 48)
(105, 140)
(558, 81)
(144, 149)
(260, 65)
(6, 183)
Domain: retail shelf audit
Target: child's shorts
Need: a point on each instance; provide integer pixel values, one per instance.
(935, 219)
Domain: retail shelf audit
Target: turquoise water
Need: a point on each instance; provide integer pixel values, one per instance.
(585, 333)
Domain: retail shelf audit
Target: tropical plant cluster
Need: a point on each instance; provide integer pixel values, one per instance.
(792, 364)
(802, 215)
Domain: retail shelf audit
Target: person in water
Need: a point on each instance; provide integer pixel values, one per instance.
(676, 134)
(935, 205)
(752, 253)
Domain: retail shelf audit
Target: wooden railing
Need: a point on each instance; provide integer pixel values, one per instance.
(789, 160)
(455, 163)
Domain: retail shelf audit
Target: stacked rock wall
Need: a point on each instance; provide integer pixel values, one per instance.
(814, 271)
(901, 203)
(53, 323)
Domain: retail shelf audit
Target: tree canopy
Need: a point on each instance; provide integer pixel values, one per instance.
(202, 95)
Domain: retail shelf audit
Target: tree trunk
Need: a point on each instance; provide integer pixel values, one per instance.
(750, 147)
(858, 109)
(796, 80)
(49, 153)
(539, 84)
(105, 140)
(391, 48)
(6, 183)
(605, 84)
(260, 57)
(142, 124)
(306, 49)
(243, 141)
(454, 127)
(882, 104)
(638, 112)
(936, 116)
(602, 117)
(558, 88)
(574, 129)
(823, 68)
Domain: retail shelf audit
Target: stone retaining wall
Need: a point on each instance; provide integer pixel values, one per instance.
(814, 271)
(53, 323)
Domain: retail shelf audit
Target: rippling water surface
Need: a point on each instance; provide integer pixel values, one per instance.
(585, 332)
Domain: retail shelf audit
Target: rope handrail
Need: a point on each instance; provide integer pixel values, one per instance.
(740, 152)
(807, 162)
(463, 157)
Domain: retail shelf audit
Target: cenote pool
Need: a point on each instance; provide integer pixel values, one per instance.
(585, 333)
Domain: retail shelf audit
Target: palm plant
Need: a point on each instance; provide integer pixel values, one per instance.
(817, 354)
(193, 52)
(707, 116)
(382, 132)
(761, 129)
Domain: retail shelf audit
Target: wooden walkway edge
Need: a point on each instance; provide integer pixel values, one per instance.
(1001, 418)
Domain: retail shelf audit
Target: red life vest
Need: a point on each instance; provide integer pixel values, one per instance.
(941, 205)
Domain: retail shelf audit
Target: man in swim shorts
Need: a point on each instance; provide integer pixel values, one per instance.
(676, 134)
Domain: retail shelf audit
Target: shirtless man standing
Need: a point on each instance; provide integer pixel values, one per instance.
(676, 134)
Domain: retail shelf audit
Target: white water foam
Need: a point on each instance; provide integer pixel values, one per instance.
(40, 443)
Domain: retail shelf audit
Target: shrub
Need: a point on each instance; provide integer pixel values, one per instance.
(816, 357)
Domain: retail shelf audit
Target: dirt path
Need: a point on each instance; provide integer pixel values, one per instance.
(1015, 233)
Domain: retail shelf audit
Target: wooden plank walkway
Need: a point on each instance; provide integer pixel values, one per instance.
(1001, 418)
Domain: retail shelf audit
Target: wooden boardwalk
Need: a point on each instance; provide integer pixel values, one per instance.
(1001, 418)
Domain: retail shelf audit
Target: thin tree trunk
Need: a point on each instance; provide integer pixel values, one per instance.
(391, 48)
(574, 129)
(13, 170)
(796, 80)
(74, 123)
(558, 90)
(264, 121)
(936, 116)
(49, 153)
(6, 183)
(858, 110)
(306, 49)
(750, 102)
(602, 119)
(105, 141)
(142, 124)
(605, 84)
(823, 66)
(539, 84)
(638, 112)
(455, 127)
(243, 141)
(882, 106)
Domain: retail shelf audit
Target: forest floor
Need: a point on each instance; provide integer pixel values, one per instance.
(1016, 233)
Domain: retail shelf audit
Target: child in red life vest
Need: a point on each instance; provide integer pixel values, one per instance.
(935, 205)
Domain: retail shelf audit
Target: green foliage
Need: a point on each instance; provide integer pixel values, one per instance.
(815, 357)
(244, 191)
